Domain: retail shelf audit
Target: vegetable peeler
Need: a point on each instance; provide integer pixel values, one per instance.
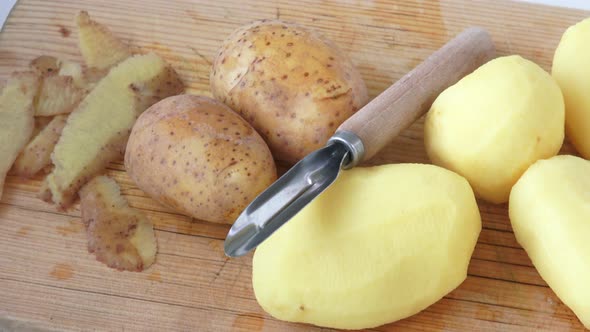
(359, 138)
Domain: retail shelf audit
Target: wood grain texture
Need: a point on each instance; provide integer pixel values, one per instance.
(49, 281)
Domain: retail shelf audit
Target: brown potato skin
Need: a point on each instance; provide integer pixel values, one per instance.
(45, 65)
(119, 236)
(36, 155)
(291, 84)
(197, 156)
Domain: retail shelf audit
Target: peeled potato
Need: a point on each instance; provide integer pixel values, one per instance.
(494, 123)
(294, 86)
(571, 69)
(550, 215)
(379, 245)
(197, 156)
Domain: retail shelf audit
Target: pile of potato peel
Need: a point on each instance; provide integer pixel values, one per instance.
(71, 120)
(280, 91)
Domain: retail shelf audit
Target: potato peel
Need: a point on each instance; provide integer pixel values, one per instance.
(97, 131)
(37, 154)
(45, 65)
(40, 123)
(16, 118)
(99, 47)
(119, 236)
(58, 95)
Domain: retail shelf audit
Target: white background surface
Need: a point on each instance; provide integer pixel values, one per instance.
(579, 4)
(6, 6)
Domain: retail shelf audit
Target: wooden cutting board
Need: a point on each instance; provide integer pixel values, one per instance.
(49, 281)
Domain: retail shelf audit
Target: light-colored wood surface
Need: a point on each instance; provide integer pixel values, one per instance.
(47, 278)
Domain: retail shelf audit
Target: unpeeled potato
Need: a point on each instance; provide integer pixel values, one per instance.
(291, 84)
(379, 245)
(197, 156)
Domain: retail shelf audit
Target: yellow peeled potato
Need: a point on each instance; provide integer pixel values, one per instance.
(197, 156)
(571, 69)
(494, 123)
(550, 215)
(292, 85)
(379, 245)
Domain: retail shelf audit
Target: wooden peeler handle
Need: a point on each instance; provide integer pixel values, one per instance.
(401, 104)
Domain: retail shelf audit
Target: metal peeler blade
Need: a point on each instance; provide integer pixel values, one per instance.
(284, 198)
(359, 138)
